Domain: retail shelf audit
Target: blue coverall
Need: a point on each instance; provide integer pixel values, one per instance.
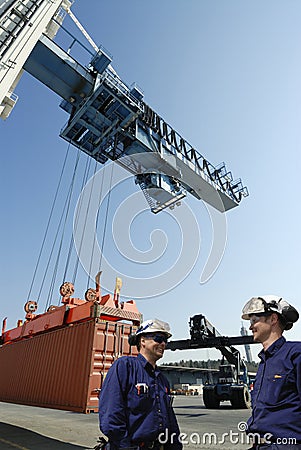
(135, 406)
(276, 397)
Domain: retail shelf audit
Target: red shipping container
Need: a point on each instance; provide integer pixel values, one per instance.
(65, 368)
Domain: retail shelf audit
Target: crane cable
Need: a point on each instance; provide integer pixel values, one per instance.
(106, 216)
(71, 244)
(67, 207)
(64, 217)
(86, 217)
(85, 223)
(104, 230)
(50, 257)
(48, 224)
(94, 235)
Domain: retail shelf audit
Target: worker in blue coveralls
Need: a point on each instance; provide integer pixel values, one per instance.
(135, 405)
(276, 398)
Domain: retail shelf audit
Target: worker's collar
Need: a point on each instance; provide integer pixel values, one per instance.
(147, 365)
(272, 349)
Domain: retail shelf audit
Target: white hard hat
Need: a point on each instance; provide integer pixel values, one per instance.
(154, 326)
(267, 304)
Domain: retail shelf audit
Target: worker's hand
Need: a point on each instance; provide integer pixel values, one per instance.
(102, 442)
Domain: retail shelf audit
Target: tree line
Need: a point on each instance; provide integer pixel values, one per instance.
(208, 364)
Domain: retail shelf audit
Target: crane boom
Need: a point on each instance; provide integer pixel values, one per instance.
(108, 119)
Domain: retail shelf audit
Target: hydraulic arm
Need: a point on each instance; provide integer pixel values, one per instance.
(229, 387)
(204, 335)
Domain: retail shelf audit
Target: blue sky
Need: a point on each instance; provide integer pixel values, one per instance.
(227, 76)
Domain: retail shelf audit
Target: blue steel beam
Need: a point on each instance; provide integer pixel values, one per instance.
(109, 120)
(59, 71)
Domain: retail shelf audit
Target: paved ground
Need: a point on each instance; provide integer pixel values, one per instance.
(29, 428)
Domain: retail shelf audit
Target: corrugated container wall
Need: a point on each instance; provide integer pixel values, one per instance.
(62, 369)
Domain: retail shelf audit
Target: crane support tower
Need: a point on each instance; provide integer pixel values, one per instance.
(233, 383)
(22, 23)
(108, 120)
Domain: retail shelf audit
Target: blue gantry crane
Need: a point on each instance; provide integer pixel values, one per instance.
(108, 120)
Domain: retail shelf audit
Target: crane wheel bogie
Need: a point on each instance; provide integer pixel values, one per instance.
(241, 398)
(210, 398)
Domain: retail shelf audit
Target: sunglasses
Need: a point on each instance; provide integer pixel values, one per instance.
(159, 338)
(254, 320)
(256, 317)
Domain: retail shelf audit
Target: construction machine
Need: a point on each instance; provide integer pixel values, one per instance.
(233, 383)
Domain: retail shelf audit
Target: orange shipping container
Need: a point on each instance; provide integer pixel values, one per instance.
(65, 368)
